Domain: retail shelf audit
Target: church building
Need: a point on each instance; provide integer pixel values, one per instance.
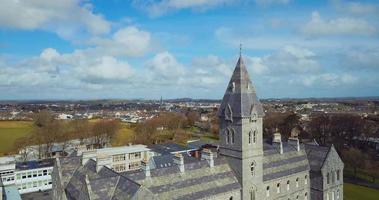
(245, 166)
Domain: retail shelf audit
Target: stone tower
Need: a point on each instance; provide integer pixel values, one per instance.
(241, 116)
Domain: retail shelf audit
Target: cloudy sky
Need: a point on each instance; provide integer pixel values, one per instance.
(82, 49)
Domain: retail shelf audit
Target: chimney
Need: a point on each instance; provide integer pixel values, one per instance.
(294, 142)
(277, 140)
(207, 154)
(146, 167)
(179, 160)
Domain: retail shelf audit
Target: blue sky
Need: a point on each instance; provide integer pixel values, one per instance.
(82, 49)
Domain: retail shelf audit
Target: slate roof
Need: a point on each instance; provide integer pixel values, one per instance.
(198, 180)
(276, 165)
(316, 156)
(84, 182)
(240, 94)
(169, 148)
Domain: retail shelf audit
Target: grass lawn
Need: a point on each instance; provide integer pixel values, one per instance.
(124, 135)
(360, 174)
(356, 192)
(10, 131)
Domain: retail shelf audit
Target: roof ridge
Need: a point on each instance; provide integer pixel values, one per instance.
(114, 190)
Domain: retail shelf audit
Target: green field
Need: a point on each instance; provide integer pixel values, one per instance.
(10, 131)
(356, 192)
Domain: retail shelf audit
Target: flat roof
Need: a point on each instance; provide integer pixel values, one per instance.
(169, 148)
(35, 164)
(7, 160)
(11, 192)
(123, 149)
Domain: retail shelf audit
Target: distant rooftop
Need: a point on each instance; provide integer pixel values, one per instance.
(123, 149)
(7, 160)
(34, 164)
(169, 148)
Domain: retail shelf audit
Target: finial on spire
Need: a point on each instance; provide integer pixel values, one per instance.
(240, 49)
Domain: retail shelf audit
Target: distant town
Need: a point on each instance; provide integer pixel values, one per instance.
(125, 135)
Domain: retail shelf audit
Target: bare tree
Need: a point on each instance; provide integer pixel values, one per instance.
(354, 158)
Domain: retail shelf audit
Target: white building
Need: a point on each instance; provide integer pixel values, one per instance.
(30, 176)
(120, 159)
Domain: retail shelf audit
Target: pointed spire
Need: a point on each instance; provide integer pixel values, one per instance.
(240, 49)
(240, 95)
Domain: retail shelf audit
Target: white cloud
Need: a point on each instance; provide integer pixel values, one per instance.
(272, 41)
(288, 60)
(164, 66)
(210, 64)
(157, 8)
(361, 59)
(66, 18)
(106, 68)
(324, 80)
(357, 8)
(129, 41)
(340, 26)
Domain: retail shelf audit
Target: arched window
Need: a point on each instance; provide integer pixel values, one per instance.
(338, 175)
(252, 194)
(327, 178)
(278, 188)
(297, 182)
(268, 191)
(227, 136)
(306, 179)
(232, 135)
(250, 137)
(338, 194)
(288, 185)
(252, 167)
(255, 137)
(306, 196)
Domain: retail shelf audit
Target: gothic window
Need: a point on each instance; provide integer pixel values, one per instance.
(306, 196)
(327, 178)
(338, 175)
(333, 177)
(232, 136)
(338, 194)
(297, 182)
(255, 137)
(252, 168)
(252, 194)
(288, 185)
(268, 191)
(278, 188)
(306, 179)
(250, 137)
(227, 136)
(228, 113)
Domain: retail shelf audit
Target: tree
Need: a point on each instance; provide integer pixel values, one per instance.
(21, 145)
(104, 130)
(319, 127)
(45, 132)
(354, 158)
(192, 117)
